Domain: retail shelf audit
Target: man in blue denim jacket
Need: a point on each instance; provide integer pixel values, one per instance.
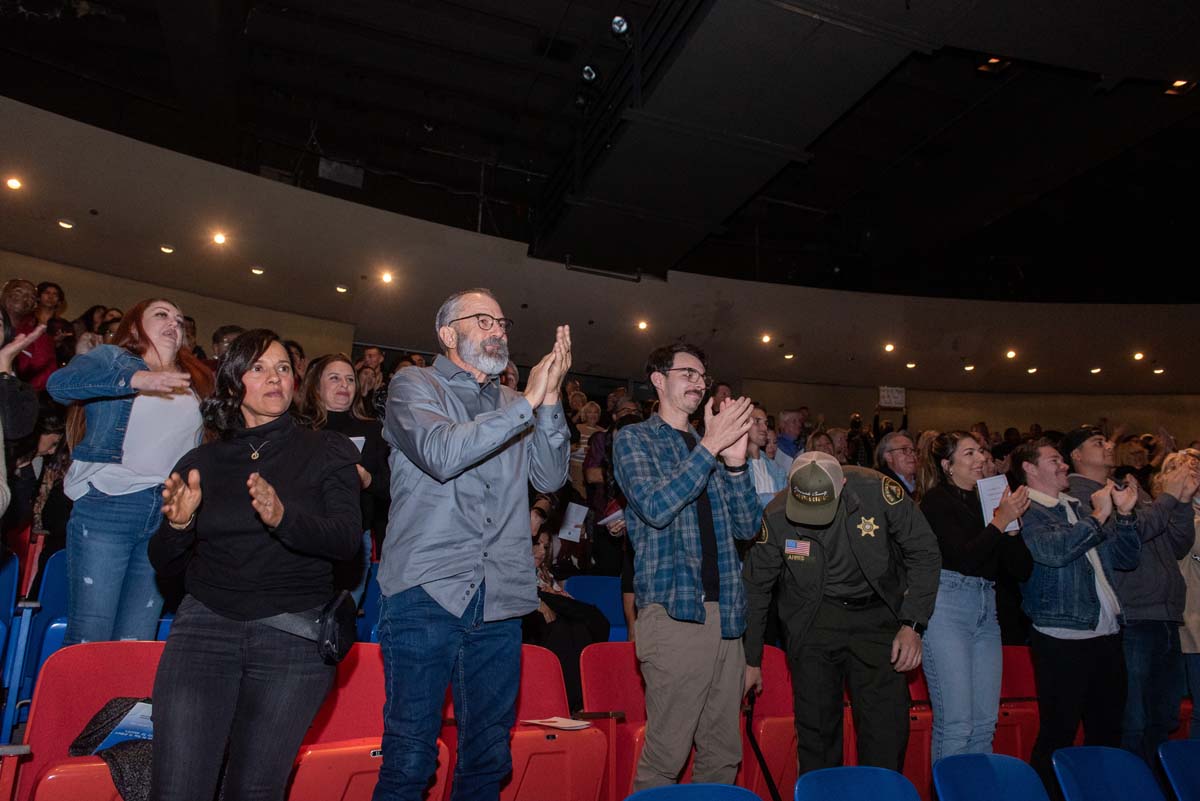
(1076, 638)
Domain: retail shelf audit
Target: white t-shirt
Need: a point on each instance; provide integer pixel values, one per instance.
(1110, 607)
(161, 429)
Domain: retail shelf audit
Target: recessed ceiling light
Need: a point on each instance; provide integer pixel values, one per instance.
(257, 270)
(166, 248)
(67, 224)
(219, 238)
(1011, 354)
(1095, 370)
(969, 367)
(766, 338)
(1137, 357)
(643, 325)
(13, 183)
(386, 278)
(889, 347)
(789, 355)
(1031, 370)
(1180, 87)
(342, 289)
(911, 365)
(1159, 371)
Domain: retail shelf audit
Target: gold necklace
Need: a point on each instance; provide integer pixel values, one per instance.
(254, 451)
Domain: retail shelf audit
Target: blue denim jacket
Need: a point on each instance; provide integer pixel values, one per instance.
(1061, 591)
(100, 379)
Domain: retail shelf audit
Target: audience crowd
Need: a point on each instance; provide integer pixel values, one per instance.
(864, 548)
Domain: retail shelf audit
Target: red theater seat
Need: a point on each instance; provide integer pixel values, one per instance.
(918, 767)
(614, 699)
(1017, 724)
(774, 727)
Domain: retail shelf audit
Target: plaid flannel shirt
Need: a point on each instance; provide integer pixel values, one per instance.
(661, 481)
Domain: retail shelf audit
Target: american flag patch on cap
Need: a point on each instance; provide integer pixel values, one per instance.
(796, 547)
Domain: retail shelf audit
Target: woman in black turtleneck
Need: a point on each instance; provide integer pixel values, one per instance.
(962, 649)
(255, 521)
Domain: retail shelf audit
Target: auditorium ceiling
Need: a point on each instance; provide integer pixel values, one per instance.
(1012, 150)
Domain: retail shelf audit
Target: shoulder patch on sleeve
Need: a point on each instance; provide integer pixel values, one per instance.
(762, 533)
(893, 492)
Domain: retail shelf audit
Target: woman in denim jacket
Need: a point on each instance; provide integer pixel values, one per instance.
(136, 411)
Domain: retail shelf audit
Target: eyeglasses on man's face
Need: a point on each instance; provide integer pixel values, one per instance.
(486, 321)
(908, 451)
(691, 375)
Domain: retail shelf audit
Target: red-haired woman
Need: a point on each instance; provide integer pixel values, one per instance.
(137, 411)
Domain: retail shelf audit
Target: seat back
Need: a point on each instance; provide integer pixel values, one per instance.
(74, 684)
(694, 792)
(986, 777)
(612, 680)
(877, 784)
(542, 693)
(1099, 773)
(354, 707)
(1017, 679)
(1181, 761)
(776, 698)
(602, 592)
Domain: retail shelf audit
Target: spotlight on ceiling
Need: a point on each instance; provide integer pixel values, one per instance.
(643, 325)
(342, 289)
(1011, 354)
(66, 224)
(1159, 371)
(1031, 370)
(1137, 357)
(1180, 87)
(969, 367)
(589, 74)
(789, 355)
(911, 365)
(219, 238)
(257, 270)
(13, 183)
(1095, 370)
(766, 338)
(889, 347)
(166, 249)
(386, 278)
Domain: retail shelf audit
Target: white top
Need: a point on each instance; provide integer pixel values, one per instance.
(161, 429)
(1110, 607)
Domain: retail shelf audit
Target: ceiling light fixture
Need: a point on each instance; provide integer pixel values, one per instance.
(1031, 370)
(1137, 357)
(257, 270)
(643, 325)
(1159, 371)
(766, 338)
(911, 365)
(969, 367)
(66, 224)
(889, 347)
(13, 183)
(1012, 354)
(342, 289)
(1095, 370)
(166, 249)
(1180, 87)
(789, 355)
(219, 238)
(386, 278)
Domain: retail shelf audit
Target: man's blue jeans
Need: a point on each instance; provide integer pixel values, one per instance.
(112, 589)
(963, 665)
(1154, 662)
(425, 648)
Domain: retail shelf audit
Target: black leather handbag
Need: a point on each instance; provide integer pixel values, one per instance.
(333, 627)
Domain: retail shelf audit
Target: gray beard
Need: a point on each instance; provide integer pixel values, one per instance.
(478, 358)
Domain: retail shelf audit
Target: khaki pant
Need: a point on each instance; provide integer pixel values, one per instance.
(694, 682)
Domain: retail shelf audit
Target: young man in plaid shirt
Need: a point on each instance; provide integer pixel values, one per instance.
(689, 498)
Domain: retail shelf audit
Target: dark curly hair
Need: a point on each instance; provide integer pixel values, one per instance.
(223, 410)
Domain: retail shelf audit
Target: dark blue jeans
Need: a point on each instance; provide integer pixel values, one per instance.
(425, 648)
(238, 682)
(1154, 662)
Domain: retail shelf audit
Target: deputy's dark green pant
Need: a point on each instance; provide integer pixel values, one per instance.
(854, 647)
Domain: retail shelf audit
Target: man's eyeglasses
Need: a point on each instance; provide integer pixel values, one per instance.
(486, 321)
(691, 375)
(906, 451)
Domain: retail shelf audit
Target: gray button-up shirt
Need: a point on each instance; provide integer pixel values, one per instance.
(463, 455)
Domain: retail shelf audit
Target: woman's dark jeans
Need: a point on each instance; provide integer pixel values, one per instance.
(237, 684)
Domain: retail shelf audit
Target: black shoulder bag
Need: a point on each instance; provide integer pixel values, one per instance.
(333, 627)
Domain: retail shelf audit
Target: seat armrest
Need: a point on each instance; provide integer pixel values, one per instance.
(14, 751)
(616, 715)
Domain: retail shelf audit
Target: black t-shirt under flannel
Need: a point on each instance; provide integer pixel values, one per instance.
(710, 577)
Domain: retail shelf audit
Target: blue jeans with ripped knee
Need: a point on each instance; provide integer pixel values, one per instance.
(112, 590)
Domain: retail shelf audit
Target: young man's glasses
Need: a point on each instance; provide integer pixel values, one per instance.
(486, 321)
(691, 375)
